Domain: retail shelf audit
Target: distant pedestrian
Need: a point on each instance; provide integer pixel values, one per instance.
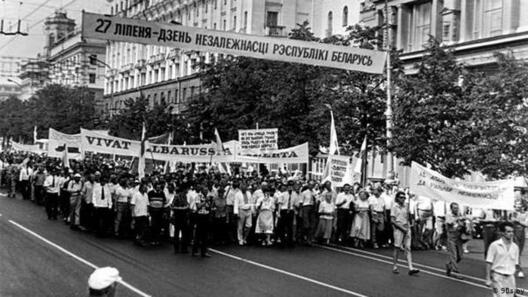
(402, 232)
(103, 282)
(501, 263)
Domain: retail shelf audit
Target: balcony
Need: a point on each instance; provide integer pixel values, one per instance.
(141, 63)
(127, 67)
(277, 31)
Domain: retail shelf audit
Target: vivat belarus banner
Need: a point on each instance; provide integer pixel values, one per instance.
(58, 142)
(261, 139)
(115, 28)
(97, 142)
(490, 195)
(204, 153)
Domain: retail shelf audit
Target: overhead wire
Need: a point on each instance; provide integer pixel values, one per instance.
(38, 22)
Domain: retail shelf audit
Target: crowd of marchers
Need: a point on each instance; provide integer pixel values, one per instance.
(197, 206)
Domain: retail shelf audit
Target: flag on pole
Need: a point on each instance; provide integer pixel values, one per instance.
(65, 158)
(334, 146)
(166, 168)
(362, 156)
(141, 160)
(220, 148)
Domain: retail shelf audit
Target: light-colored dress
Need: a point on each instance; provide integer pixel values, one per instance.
(361, 224)
(265, 206)
(325, 225)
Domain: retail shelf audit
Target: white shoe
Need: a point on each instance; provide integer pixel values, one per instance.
(520, 274)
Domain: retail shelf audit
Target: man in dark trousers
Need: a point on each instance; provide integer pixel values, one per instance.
(157, 201)
(51, 184)
(180, 219)
(203, 210)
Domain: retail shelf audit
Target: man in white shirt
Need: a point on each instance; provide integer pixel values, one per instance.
(502, 261)
(344, 213)
(24, 180)
(102, 203)
(243, 208)
(51, 184)
(122, 195)
(140, 203)
(377, 206)
(286, 214)
(439, 212)
(232, 221)
(308, 212)
(75, 188)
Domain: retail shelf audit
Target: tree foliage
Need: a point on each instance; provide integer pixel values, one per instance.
(457, 120)
(63, 108)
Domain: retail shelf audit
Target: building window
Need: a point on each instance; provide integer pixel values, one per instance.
(92, 78)
(245, 19)
(214, 26)
(225, 25)
(169, 96)
(234, 22)
(421, 22)
(215, 4)
(272, 19)
(176, 96)
(345, 16)
(330, 24)
(93, 59)
(493, 18)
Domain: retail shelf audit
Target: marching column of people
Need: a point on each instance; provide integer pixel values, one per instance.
(194, 209)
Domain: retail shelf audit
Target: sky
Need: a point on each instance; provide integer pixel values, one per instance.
(33, 13)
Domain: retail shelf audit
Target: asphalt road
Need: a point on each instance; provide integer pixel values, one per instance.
(45, 258)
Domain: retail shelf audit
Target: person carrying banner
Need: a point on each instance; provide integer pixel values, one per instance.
(402, 232)
(455, 227)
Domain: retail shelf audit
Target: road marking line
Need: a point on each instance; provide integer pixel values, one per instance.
(404, 261)
(402, 265)
(288, 273)
(132, 288)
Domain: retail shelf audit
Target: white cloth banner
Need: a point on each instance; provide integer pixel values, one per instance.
(92, 141)
(259, 139)
(203, 153)
(292, 155)
(29, 148)
(116, 28)
(488, 195)
(58, 141)
(341, 171)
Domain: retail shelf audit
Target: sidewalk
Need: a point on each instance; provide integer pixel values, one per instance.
(476, 251)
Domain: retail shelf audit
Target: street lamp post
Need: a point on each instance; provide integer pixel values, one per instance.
(93, 58)
(388, 112)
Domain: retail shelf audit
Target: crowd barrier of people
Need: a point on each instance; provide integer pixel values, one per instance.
(195, 207)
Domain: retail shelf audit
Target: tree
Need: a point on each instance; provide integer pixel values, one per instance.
(242, 92)
(128, 123)
(432, 112)
(499, 121)
(63, 108)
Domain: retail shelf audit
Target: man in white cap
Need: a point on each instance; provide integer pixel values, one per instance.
(103, 282)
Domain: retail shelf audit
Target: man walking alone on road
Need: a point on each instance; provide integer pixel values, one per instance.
(501, 263)
(402, 232)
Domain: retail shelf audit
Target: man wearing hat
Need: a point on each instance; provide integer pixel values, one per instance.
(103, 282)
(75, 189)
